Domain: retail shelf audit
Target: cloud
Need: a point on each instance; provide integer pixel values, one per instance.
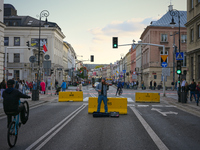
(133, 27)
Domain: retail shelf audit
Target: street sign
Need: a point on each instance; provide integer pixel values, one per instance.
(179, 56)
(134, 76)
(164, 64)
(32, 59)
(47, 57)
(134, 72)
(121, 73)
(166, 71)
(124, 71)
(164, 57)
(47, 64)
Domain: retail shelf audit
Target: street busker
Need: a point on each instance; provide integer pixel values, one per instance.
(119, 86)
(43, 85)
(64, 86)
(102, 88)
(11, 99)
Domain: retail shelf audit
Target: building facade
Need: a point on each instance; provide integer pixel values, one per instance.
(158, 32)
(2, 52)
(23, 30)
(193, 42)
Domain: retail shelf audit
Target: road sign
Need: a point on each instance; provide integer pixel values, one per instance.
(47, 57)
(124, 71)
(164, 64)
(179, 56)
(32, 59)
(134, 72)
(134, 76)
(121, 73)
(164, 57)
(166, 71)
(47, 64)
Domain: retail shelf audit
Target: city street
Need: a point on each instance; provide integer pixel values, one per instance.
(67, 125)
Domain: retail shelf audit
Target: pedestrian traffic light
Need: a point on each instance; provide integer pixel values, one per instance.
(178, 67)
(92, 58)
(115, 42)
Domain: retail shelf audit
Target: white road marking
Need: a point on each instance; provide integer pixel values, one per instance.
(130, 99)
(150, 131)
(164, 113)
(63, 123)
(143, 105)
(85, 99)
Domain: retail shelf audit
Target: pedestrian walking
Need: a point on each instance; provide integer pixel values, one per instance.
(150, 84)
(192, 87)
(56, 84)
(155, 84)
(3, 87)
(80, 86)
(102, 88)
(64, 86)
(198, 93)
(43, 85)
(186, 89)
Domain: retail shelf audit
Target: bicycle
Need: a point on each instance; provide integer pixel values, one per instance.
(120, 91)
(15, 125)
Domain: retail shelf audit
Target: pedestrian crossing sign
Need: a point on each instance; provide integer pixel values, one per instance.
(179, 56)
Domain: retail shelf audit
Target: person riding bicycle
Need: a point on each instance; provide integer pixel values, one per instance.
(119, 86)
(11, 98)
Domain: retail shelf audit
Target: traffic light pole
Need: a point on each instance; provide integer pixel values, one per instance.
(163, 46)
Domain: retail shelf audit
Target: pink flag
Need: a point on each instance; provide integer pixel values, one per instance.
(44, 48)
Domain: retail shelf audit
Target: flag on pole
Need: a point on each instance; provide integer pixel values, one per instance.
(44, 48)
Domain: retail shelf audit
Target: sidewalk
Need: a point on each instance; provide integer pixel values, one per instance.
(190, 107)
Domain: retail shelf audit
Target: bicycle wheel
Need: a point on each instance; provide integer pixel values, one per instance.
(26, 105)
(12, 134)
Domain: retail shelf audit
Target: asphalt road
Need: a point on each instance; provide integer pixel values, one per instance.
(67, 125)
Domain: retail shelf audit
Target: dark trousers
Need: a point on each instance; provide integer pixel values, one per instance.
(118, 88)
(21, 110)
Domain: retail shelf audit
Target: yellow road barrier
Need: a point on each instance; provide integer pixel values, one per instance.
(147, 97)
(114, 104)
(70, 96)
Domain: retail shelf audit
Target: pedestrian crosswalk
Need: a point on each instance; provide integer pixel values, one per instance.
(87, 98)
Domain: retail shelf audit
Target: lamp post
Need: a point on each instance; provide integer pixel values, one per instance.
(44, 13)
(174, 12)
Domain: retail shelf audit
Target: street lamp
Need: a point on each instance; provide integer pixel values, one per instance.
(174, 12)
(44, 13)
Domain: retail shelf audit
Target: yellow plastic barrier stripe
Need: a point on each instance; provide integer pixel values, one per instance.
(70, 96)
(114, 104)
(147, 97)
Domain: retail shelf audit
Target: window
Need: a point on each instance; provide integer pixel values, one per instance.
(17, 57)
(198, 33)
(198, 1)
(184, 61)
(16, 41)
(163, 37)
(198, 66)
(184, 38)
(161, 53)
(16, 74)
(192, 35)
(6, 41)
(14, 23)
(192, 4)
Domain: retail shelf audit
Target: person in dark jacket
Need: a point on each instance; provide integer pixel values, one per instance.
(119, 86)
(11, 99)
(192, 87)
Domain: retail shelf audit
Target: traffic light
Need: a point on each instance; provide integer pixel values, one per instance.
(92, 58)
(27, 43)
(115, 42)
(51, 71)
(178, 67)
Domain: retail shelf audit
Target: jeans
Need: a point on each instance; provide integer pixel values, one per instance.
(192, 93)
(118, 88)
(104, 98)
(63, 89)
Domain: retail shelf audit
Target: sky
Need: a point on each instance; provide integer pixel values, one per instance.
(89, 25)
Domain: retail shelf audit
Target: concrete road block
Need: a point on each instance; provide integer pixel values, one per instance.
(70, 96)
(114, 104)
(147, 97)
